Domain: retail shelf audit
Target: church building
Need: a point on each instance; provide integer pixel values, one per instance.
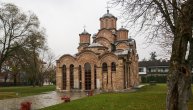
(108, 63)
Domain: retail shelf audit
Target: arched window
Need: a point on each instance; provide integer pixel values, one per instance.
(71, 76)
(104, 67)
(87, 69)
(80, 77)
(64, 76)
(113, 66)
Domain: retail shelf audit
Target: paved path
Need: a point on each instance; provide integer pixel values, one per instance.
(38, 101)
(47, 99)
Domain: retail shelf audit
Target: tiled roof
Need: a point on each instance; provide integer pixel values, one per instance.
(153, 63)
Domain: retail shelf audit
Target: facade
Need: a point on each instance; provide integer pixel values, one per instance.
(109, 63)
(156, 70)
(152, 68)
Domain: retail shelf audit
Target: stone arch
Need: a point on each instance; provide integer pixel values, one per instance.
(87, 56)
(67, 60)
(106, 34)
(103, 41)
(108, 58)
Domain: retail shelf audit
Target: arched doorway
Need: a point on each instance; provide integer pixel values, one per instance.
(87, 69)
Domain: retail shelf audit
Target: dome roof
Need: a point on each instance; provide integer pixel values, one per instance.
(84, 32)
(94, 35)
(108, 15)
(122, 29)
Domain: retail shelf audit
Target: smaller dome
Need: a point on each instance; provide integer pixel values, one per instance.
(108, 15)
(122, 29)
(94, 35)
(130, 39)
(84, 32)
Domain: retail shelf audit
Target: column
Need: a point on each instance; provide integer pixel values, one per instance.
(76, 78)
(92, 77)
(68, 79)
(99, 78)
(83, 79)
(109, 86)
(59, 78)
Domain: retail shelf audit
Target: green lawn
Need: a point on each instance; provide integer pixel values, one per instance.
(147, 98)
(12, 92)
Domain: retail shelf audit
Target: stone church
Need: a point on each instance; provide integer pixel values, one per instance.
(108, 63)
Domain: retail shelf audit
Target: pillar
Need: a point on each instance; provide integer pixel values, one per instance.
(99, 78)
(68, 79)
(59, 78)
(83, 79)
(92, 77)
(109, 86)
(76, 78)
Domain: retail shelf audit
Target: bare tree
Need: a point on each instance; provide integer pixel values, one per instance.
(35, 43)
(15, 27)
(153, 56)
(164, 19)
(47, 69)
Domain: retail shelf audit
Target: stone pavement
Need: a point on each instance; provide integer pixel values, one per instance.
(39, 101)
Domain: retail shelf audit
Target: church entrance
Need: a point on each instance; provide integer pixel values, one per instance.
(87, 68)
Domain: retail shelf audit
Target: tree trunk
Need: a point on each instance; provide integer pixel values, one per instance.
(179, 77)
(15, 79)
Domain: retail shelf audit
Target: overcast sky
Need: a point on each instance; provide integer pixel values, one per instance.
(64, 21)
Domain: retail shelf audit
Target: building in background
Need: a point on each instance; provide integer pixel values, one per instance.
(155, 67)
(154, 70)
(109, 63)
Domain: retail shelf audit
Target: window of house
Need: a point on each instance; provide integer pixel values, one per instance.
(141, 70)
(152, 69)
(166, 70)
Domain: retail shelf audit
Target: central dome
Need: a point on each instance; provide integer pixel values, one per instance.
(108, 15)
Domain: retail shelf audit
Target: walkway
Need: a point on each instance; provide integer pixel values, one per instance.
(47, 99)
(39, 101)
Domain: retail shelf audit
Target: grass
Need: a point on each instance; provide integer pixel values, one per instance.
(147, 98)
(13, 92)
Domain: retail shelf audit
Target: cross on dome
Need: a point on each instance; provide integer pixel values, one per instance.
(107, 7)
(84, 28)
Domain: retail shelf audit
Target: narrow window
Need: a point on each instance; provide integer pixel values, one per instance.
(71, 76)
(113, 66)
(104, 67)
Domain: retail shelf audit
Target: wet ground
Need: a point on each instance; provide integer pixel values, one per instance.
(48, 99)
(39, 101)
